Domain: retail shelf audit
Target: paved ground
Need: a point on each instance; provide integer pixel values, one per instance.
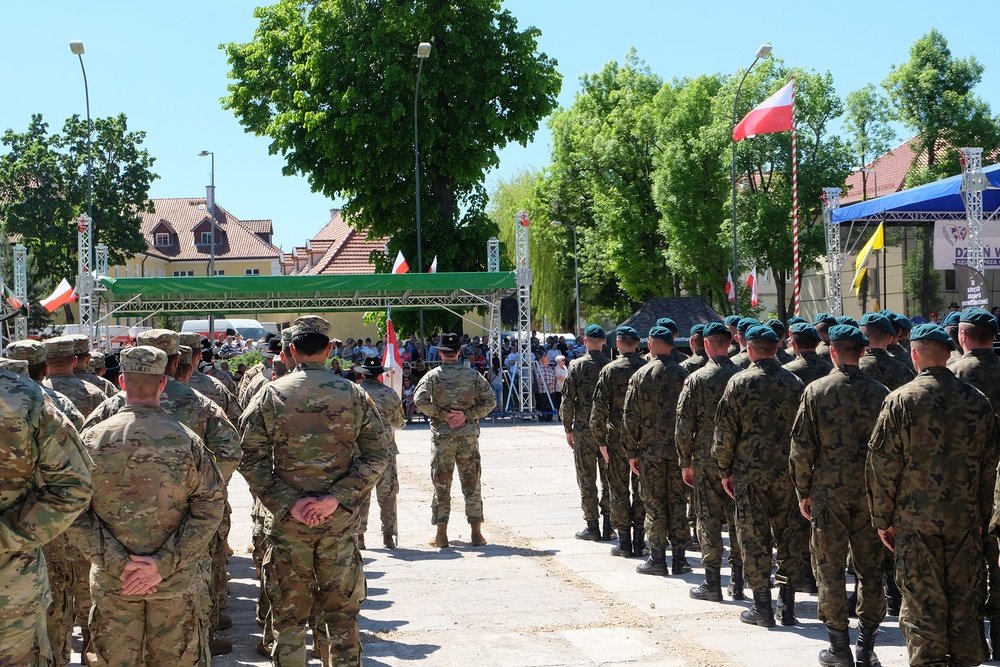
(535, 596)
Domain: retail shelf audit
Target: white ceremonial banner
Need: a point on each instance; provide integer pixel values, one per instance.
(951, 244)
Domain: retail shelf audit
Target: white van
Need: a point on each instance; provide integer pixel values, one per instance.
(249, 329)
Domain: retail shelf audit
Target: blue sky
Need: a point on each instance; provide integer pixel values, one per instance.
(160, 64)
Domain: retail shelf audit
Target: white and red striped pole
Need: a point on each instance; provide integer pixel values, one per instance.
(795, 205)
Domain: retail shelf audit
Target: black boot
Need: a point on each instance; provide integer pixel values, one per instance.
(995, 636)
(655, 564)
(624, 547)
(736, 583)
(710, 589)
(590, 533)
(679, 563)
(811, 587)
(786, 604)
(606, 534)
(639, 547)
(893, 598)
(760, 614)
(864, 653)
(839, 653)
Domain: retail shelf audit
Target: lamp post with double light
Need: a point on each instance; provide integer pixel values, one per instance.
(423, 51)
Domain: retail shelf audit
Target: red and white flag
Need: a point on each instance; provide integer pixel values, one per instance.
(730, 286)
(434, 265)
(391, 361)
(63, 294)
(752, 284)
(773, 115)
(400, 266)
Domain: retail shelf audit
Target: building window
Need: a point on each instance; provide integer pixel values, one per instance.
(162, 240)
(219, 272)
(206, 238)
(949, 280)
(178, 274)
(253, 272)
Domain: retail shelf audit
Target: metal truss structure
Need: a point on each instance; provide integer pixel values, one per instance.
(85, 274)
(973, 184)
(20, 289)
(493, 266)
(522, 273)
(834, 252)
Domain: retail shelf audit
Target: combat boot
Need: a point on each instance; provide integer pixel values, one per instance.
(441, 539)
(218, 645)
(760, 614)
(361, 542)
(655, 564)
(710, 589)
(864, 652)
(811, 586)
(736, 583)
(388, 541)
(839, 653)
(225, 622)
(606, 533)
(624, 547)
(639, 543)
(591, 533)
(679, 563)
(893, 598)
(786, 604)
(477, 534)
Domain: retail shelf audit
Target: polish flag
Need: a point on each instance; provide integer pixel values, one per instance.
(62, 295)
(391, 361)
(730, 286)
(400, 266)
(434, 265)
(773, 115)
(752, 284)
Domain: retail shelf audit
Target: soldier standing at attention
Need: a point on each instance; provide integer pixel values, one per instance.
(676, 355)
(751, 448)
(829, 444)
(44, 484)
(455, 398)
(627, 511)
(782, 355)
(693, 437)
(901, 326)
(574, 413)
(733, 323)
(698, 356)
(205, 384)
(314, 445)
(648, 419)
(823, 322)
(807, 365)
(33, 352)
(743, 358)
(390, 408)
(950, 324)
(61, 360)
(930, 477)
(81, 346)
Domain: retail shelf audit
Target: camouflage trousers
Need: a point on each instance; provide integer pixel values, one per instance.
(839, 529)
(627, 510)
(80, 591)
(315, 576)
(219, 551)
(589, 467)
(939, 577)
(991, 580)
(60, 612)
(766, 510)
(446, 455)
(713, 507)
(664, 500)
(386, 491)
(25, 640)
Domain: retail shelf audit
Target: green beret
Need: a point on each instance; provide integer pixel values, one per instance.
(932, 331)
(59, 348)
(775, 325)
(81, 344)
(595, 331)
(805, 329)
(717, 329)
(185, 355)
(192, 340)
(668, 323)
(848, 332)
(312, 324)
(903, 321)
(878, 321)
(627, 332)
(143, 359)
(32, 351)
(164, 339)
(848, 320)
(952, 319)
(733, 321)
(697, 330)
(18, 366)
(761, 332)
(662, 333)
(977, 316)
(746, 323)
(795, 319)
(825, 318)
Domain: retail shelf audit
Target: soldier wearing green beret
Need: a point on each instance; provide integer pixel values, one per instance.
(930, 478)
(950, 324)
(901, 328)
(823, 322)
(733, 323)
(742, 359)
(698, 357)
(783, 356)
(807, 365)
(676, 355)
(574, 413)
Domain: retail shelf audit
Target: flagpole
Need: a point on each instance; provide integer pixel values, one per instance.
(795, 206)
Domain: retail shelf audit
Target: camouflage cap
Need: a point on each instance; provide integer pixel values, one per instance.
(733, 321)
(952, 319)
(19, 366)
(164, 339)
(668, 323)
(746, 324)
(312, 324)
(59, 348)
(81, 344)
(825, 318)
(932, 331)
(848, 320)
(144, 359)
(878, 321)
(977, 316)
(717, 329)
(191, 339)
(662, 333)
(848, 332)
(97, 360)
(32, 351)
(697, 330)
(805, 329)
(761, 332)
(184, 355)
(627, 332)
(286, 336)
(594, 331)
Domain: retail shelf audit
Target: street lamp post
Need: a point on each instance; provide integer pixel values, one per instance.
(210, 200)
(762, 52)
(423, 50)
(87, 301)
(576, 271)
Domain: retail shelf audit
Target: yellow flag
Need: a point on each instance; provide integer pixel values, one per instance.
(876, 242)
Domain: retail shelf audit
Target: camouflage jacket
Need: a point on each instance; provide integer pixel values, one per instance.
(390, 409)
(650, 409)
(196, 412)
(932, 457)
(312, 433)
(223, 377)
(578, 391)
(742, 359)
(784, 356)
(752, 432)
(695, 361)
(248, 389)
(696, 408)
(885, 368)
(254, 371)
(809, 367)
(981, 369)
(609, 399)
(157, 493)
(677, 356)
(733, 350)
(902, 355)
(99, 382)
(85, 396)
(216, 392)
(65, 406)
(44, 484)
(830, 436)
(823, 350)
(452, 386)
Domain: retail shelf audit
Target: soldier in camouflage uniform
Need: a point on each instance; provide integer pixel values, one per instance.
(676, 355)
(901, 326)
(314, 446)
(751, 449)
(44, 484)
(263, 376)
(81, 346)
(390, 408)
(742, 359)
(145, 581)
(782, 355)
(648, 418)
(807, 365)
(823, 322)
(698, 357)
(33, 352)
(930, 479)
(829, 444)
(950, 325)
(693, 437)
(627, 512)
(733, 324)
(574, 413)
(455, 398)
(206, 384)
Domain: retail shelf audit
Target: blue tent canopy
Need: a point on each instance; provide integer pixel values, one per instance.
(941, 200)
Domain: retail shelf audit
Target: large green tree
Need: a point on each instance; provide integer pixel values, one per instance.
(870, 133)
